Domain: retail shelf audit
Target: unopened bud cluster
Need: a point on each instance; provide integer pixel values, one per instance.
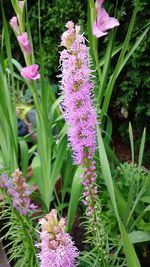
(57, 247)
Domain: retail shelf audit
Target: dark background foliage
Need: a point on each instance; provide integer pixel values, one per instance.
(131, 96)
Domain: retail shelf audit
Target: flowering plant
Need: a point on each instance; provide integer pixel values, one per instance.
(79, 114)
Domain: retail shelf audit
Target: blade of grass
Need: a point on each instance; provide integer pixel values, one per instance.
(106, 66)
(131, 257)
(108, 131)
(142, 146)
(139, 236)
(24, 156)
(56, 168)
(119, 62)
(92, 39)
(143, 189)
(74, 198)
(131, 141)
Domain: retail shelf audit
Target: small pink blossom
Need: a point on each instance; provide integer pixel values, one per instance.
(24, 42)
(30, 72)
(103, 21)
(99, 3)
(14, 24)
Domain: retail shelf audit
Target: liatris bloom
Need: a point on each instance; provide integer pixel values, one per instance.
(30, 72)
(20, 193)
(103, 21)
(57, 247)
(18, 190)
(79, 112)
(77, 86)
(14, 24)
(24, 42)
(5, 181)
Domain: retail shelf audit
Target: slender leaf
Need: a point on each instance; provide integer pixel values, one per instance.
(142, 145)
(139, 236)
(131, 141)
(74, 198)
(131, 257)
(24, 156)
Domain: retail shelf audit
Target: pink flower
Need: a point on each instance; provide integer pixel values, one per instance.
(14, 24)
(24, 42)
(19, 191)
(78, 108)
(99, 3)
(77, 86)
(103, 21)
(57, 247)
(30, 72)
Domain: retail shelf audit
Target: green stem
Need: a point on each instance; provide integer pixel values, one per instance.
(94, 42)
(27, 233)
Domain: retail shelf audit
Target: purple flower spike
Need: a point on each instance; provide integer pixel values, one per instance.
(103, 21)
(57, 247)
(77, 86)
(5, 181)
(79, 111)
(19, 192)
(30, 72)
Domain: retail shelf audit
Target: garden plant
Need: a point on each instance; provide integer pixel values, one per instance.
(66, 199)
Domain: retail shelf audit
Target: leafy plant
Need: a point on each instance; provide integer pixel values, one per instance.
(20, 234)
(57, 14)
(8, 121)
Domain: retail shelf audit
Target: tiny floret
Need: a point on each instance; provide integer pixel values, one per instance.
(14, 24)
(30, 72)
(24, 42)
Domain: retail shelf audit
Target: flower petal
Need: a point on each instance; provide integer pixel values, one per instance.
(99, 3)
(110, 23)
(30, 72)
(96, 31)
(102, 16)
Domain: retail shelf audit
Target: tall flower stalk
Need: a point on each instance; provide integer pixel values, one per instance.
(79, 112)
(80, 115)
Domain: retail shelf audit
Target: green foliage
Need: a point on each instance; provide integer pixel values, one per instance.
(20, 234)
(54, 15)
(132, 89)
(96, 238)
(126, 203)
(74, 198)
(131, 257)
(133, 183)
(8, 121)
